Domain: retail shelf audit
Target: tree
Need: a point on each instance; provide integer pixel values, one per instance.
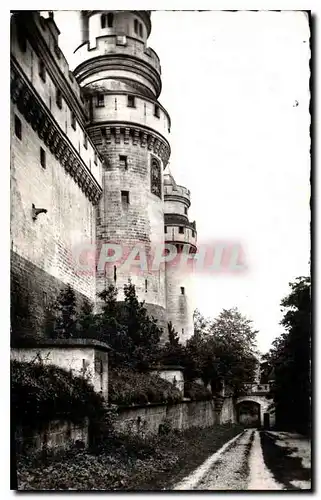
(142, 330)
(112, 330)
(87, 324)
(65, 314)
(128, 329)
(290, 360)
(173, 353)
(222, 350)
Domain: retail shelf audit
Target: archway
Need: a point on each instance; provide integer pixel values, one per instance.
(262, 401)
(249, 413)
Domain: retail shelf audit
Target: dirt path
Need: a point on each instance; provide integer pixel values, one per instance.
(241, 465)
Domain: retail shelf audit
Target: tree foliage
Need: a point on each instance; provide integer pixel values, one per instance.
(128, 329)
(222, 351)
(289, 360)
(65, 314)
(172, 353)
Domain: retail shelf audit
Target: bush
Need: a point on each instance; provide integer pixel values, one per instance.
(130, 387)
(197, 392)
(40, 393)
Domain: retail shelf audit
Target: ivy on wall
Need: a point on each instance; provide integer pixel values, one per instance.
(40, 393)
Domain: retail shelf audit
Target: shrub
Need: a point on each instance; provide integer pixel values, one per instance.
(130, 387)
(40, 393)
(197, 392)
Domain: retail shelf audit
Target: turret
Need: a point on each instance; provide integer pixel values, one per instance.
(179, 279)
(120, 79)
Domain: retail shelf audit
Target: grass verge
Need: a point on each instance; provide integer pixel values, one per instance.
(126, 463)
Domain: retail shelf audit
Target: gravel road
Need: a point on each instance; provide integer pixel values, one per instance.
(238, 465)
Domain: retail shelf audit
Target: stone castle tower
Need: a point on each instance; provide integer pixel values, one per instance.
(89, 147)
(121, 81)
(179, 231)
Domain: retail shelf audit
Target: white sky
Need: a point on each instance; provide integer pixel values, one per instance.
(231, 81)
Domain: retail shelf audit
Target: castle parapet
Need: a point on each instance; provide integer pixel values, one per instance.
(178, 229)
(176, 192)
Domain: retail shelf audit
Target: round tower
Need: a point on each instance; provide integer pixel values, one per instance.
(179, 278)
(121, 81)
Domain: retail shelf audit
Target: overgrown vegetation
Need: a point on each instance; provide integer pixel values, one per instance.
(197, 392)
(40, 393)
(130, 387)
(127, 462)
(222, 350)
(289, 361)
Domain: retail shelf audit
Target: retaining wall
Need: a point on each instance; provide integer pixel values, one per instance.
(149, 419)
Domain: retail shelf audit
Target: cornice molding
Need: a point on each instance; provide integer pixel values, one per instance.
(42, 122)
(173, 220)
(123, 62)
(179, 197)
(129, 133)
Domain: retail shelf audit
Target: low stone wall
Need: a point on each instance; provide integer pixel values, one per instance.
(55, 436)
(83, 357)
(149, 419)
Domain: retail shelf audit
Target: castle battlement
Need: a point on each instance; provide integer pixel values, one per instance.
(50, 34)
(88, 153)
(177, 191)
(118, 44)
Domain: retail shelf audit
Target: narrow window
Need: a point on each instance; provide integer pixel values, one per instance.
(165, 228)
(85, 141)
(182, 290)
(181, 230)
(103, 21)
(110, 20)
(73, 120)
(123, 162)
(156, 111)
(42, 70)
(50, 102)
(185, 210)
(100, 100)
(95, 158)
(136, 26)
(182, 331)
(141, 30)
(125, 198)
(145, 285)
(59, 98)
(89, 164)
(43, 157)
(17, 127)
(45, 298)
(131, 101)
(156, 178)
(193, 233)
(115, 274)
